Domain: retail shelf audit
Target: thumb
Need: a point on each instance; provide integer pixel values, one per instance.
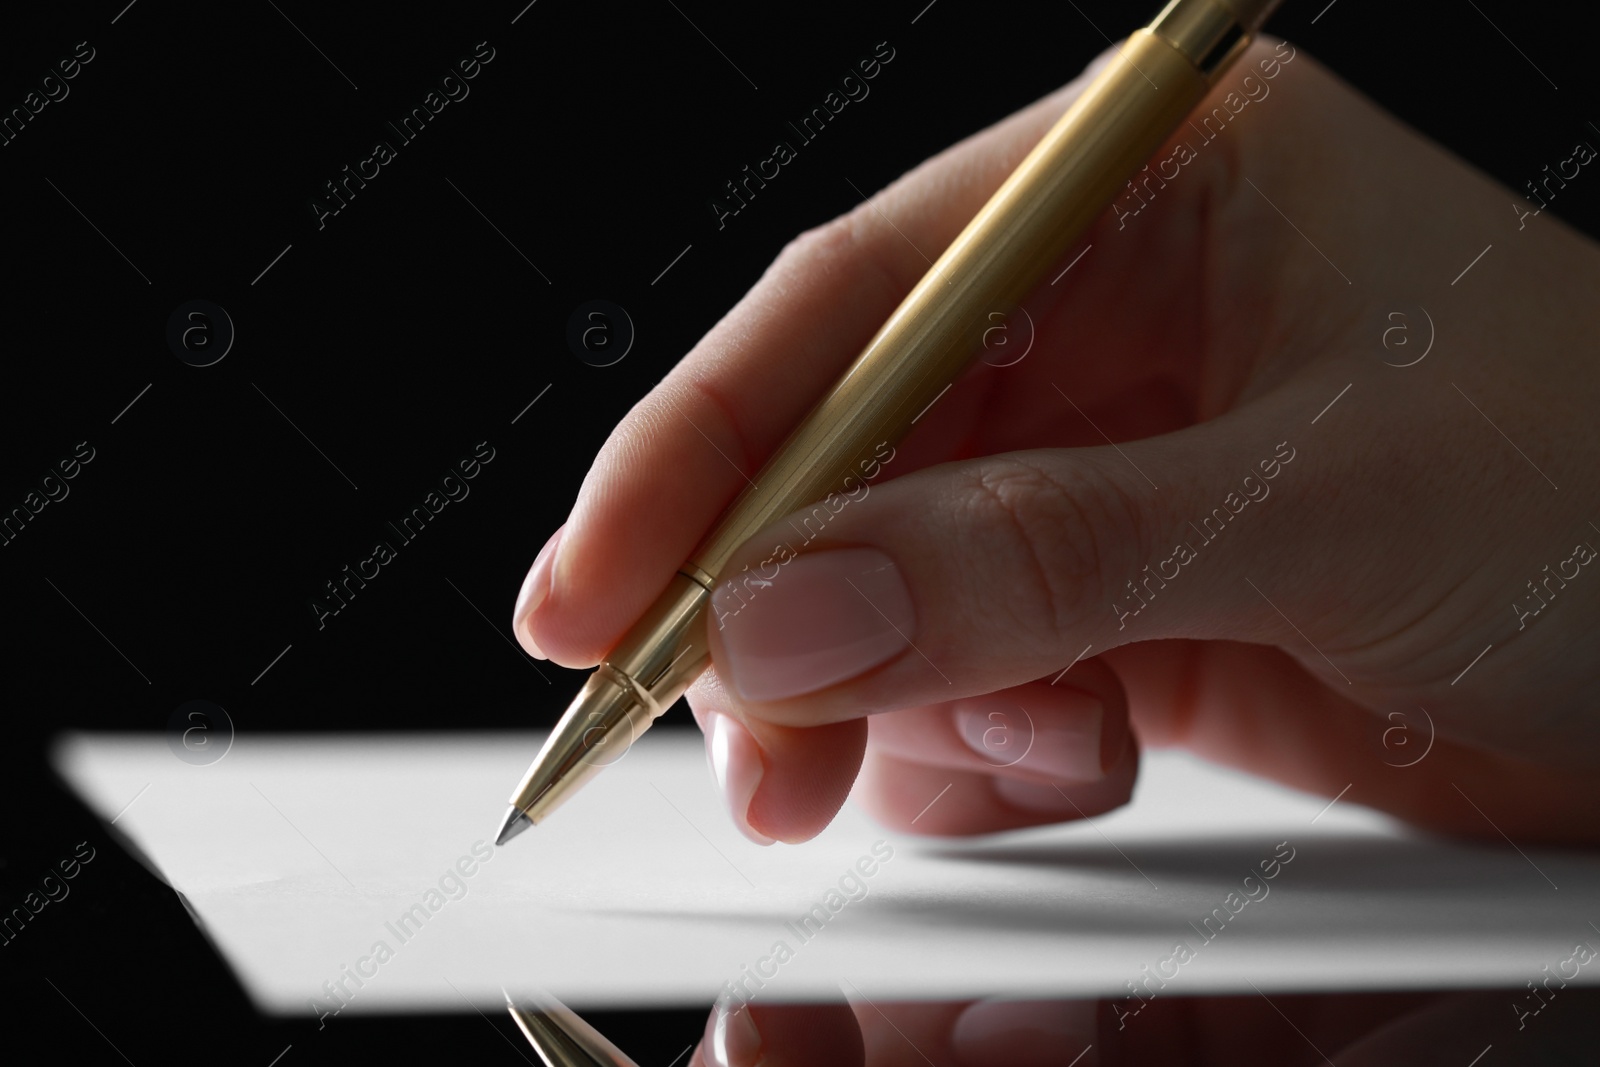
(971, 577)
(974, 578)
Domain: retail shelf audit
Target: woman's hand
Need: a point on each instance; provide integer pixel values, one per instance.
(1354, 1029)
(1314, 552)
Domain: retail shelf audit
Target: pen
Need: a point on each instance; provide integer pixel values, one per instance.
(1041, 210)
(561, 1037)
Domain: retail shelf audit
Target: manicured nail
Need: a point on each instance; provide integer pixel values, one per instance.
(1061, 741)
(535, 587)
(731, 1038)
(735, 760)
(823, 617)
(1026, 1033)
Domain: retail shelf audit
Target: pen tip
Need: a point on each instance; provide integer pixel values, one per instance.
(515, 822)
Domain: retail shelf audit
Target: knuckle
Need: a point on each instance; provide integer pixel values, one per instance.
(1043, 535)
(819, 242)
(850, 241)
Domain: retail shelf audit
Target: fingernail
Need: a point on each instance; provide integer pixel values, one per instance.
(731, 1038)
(1032, 796)
(735, 760)
(1063, 741)
(1026, 1033)
(823, 617)
(535, 587)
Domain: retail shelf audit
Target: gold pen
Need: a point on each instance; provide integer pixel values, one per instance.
(1046, 205)
(561, 1037)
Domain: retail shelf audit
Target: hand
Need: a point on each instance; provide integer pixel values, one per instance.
(1294, 551)
(1353, 1029)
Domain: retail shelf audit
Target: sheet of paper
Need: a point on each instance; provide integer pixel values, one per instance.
(311, 859)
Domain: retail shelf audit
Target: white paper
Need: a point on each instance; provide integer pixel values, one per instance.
(299, 855)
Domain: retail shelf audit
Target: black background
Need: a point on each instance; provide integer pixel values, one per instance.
(407, 330)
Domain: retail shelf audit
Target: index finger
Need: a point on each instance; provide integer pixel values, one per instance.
(684, 451)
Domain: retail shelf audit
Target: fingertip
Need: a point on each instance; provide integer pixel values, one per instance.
(835, 614)
(1033, 754)
(780, 783)
(1055, 733)
(533, 594)
(780, 1035)
(737, 767)
(809, 775)
(1046, 800)
(914, 798)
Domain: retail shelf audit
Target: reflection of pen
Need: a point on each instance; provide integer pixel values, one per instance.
(561, 1038)
(1121, 118)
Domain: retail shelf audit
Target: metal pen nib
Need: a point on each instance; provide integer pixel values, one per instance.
(515, 822)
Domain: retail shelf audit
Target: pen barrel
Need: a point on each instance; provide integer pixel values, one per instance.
(1044, 208)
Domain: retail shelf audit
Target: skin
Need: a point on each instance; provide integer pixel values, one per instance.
(1200, 335)
(1353, 1030)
